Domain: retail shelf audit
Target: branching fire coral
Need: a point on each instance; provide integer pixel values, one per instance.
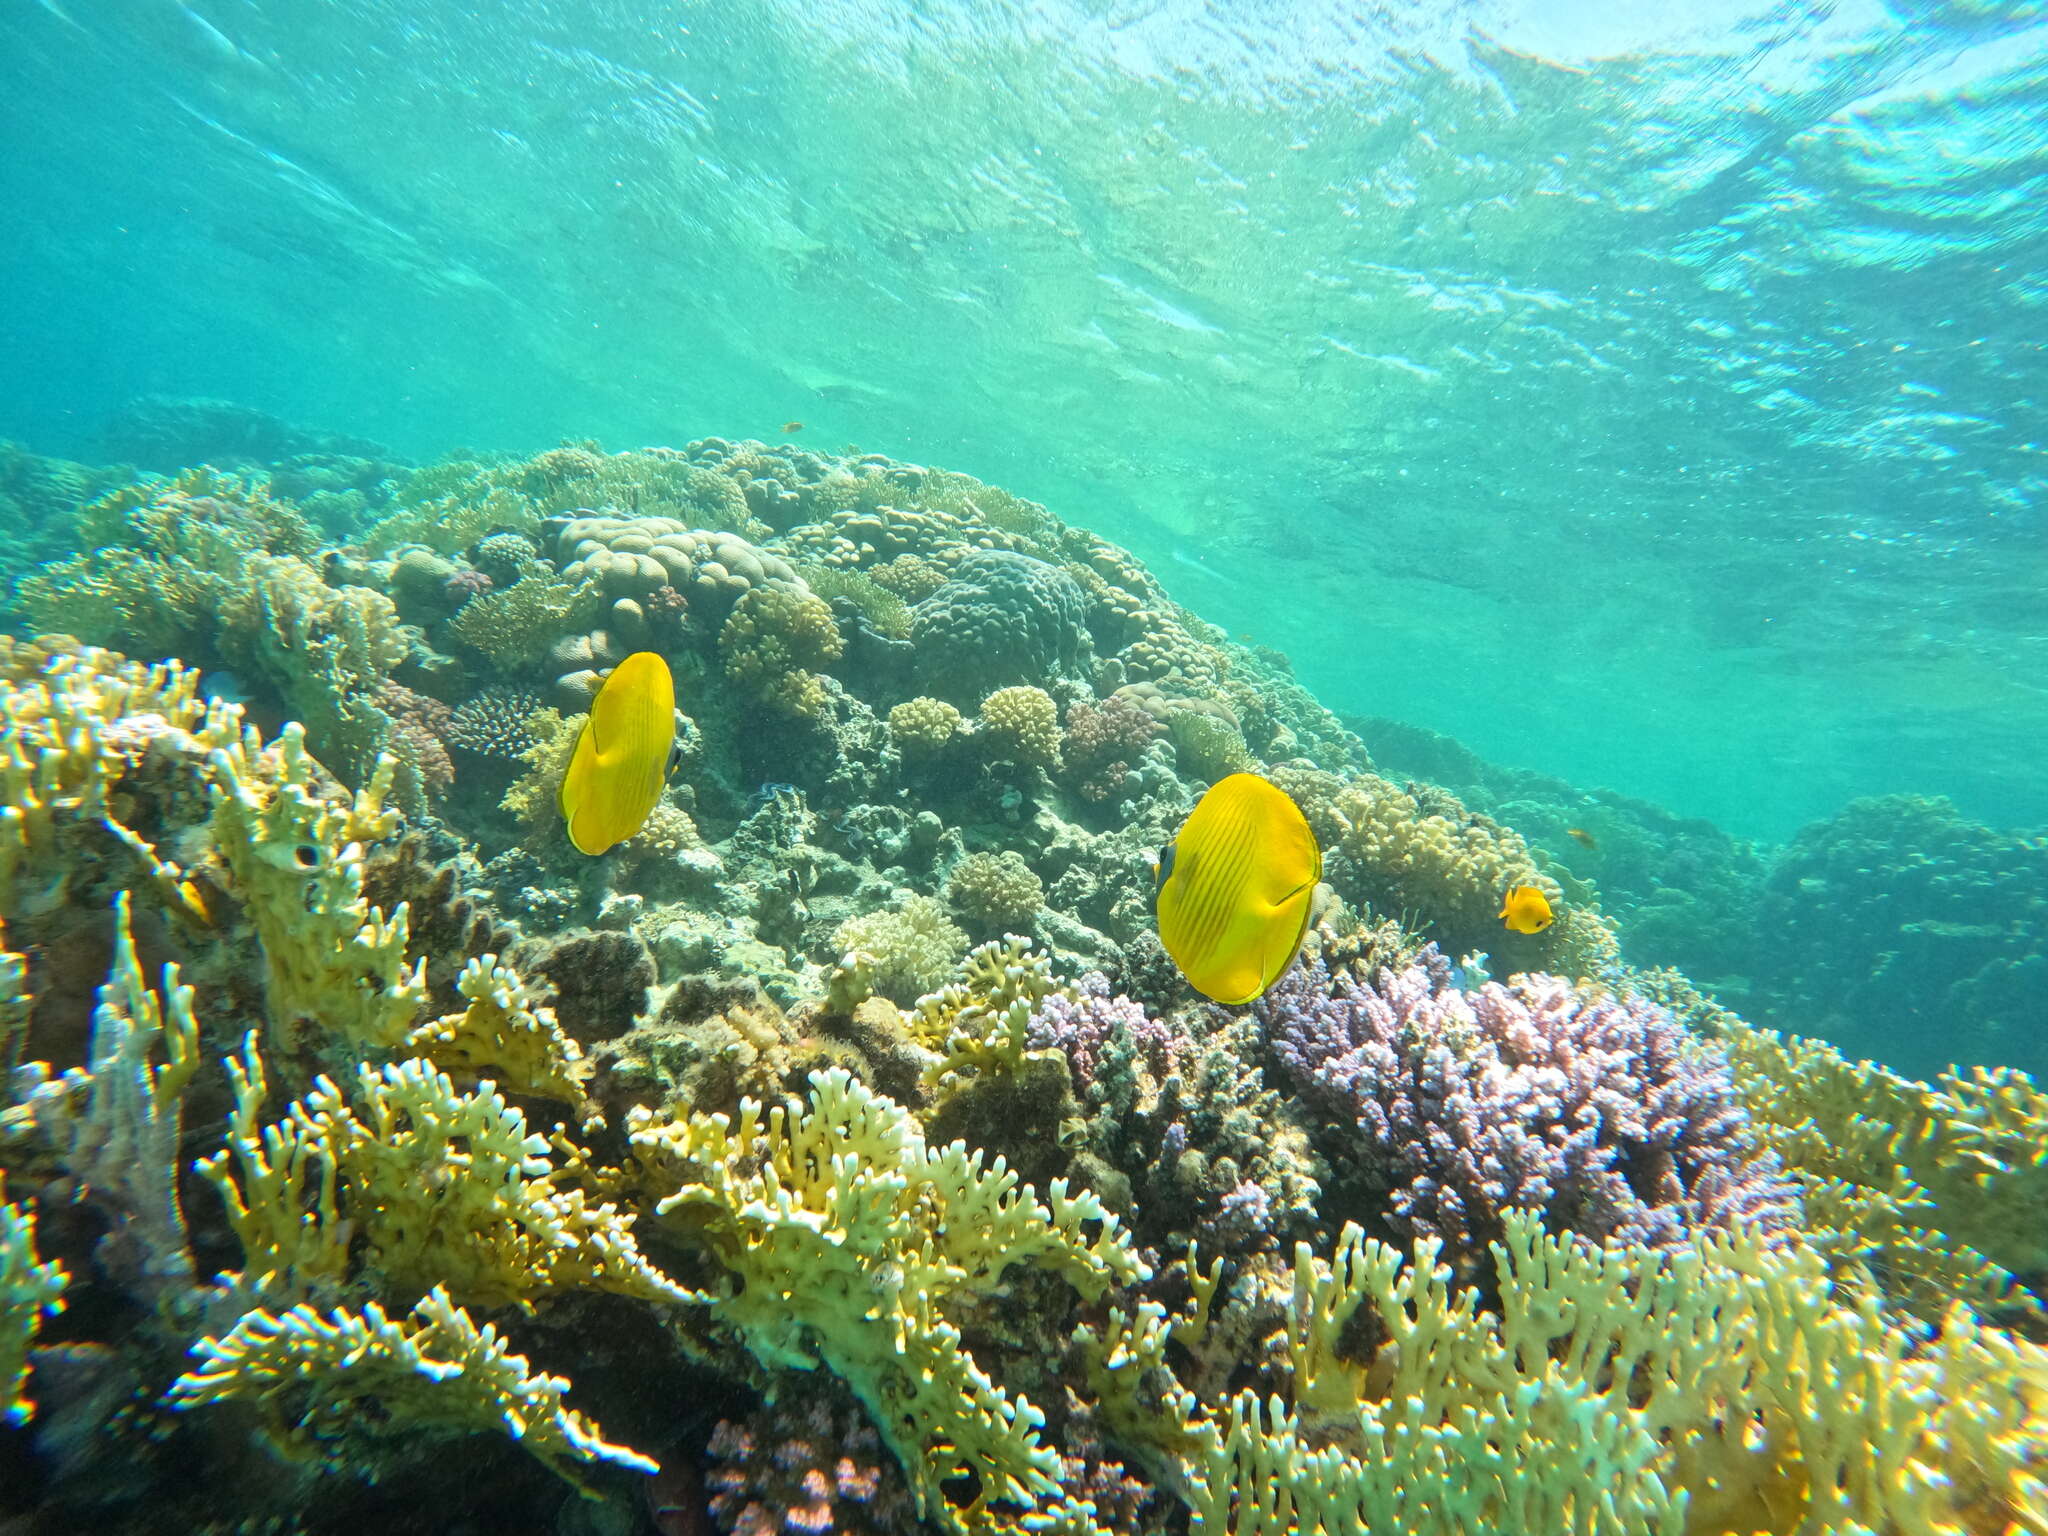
(852, 1243)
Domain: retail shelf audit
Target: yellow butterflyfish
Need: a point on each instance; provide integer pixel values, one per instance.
(624, 756)
(1526, 910)
(1235, 888)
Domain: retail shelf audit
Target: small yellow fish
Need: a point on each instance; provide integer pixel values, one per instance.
(624, 756)
(792, 426)
(1236, 888)
(1526, 910)
(1582, 837)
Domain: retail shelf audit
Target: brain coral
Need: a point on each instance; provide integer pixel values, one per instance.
(1001, 618)
(996, 892)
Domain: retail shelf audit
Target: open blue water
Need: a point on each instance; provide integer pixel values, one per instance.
(1648, 395)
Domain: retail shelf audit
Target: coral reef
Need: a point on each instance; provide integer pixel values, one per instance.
(1001, 618)
(815, 1468)
(1452, 1108)
(1901, 929)
(349, 1112)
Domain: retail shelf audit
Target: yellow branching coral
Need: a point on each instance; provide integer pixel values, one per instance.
(14, 1005)
(315, 1377)
(29, 1291)
(1020, 725)
(1943, 1188)
(1724, 1386)
(507, 1031)
(854, 1244)
(979, 1023)
(162, 560)
(441, 1187)
(324, 649)
(295, 860)
(67, 740)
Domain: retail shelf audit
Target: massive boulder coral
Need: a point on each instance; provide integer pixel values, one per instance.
(1001, 618)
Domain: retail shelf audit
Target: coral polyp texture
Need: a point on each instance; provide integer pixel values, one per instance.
(843, 1143)
(1450, 1108)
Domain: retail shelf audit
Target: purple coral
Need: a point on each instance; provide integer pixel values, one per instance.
(1455, 1106)
(1083, 1024)
(803, 1471)
(466, 583)
(1103, 740)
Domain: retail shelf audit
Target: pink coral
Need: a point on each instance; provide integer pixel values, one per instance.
(1103, 741)
(418, 726)
(465, 584)
(1084, 1024)
(804, 1470)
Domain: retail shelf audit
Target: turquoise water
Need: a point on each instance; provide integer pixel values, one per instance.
(1654, 404)
(1631, 421)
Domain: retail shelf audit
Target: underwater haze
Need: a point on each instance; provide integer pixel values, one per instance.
(1062, 768)
(1647, 395)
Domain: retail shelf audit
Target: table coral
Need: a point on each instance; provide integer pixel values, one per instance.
(852, 1244)
(1453, 1108)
